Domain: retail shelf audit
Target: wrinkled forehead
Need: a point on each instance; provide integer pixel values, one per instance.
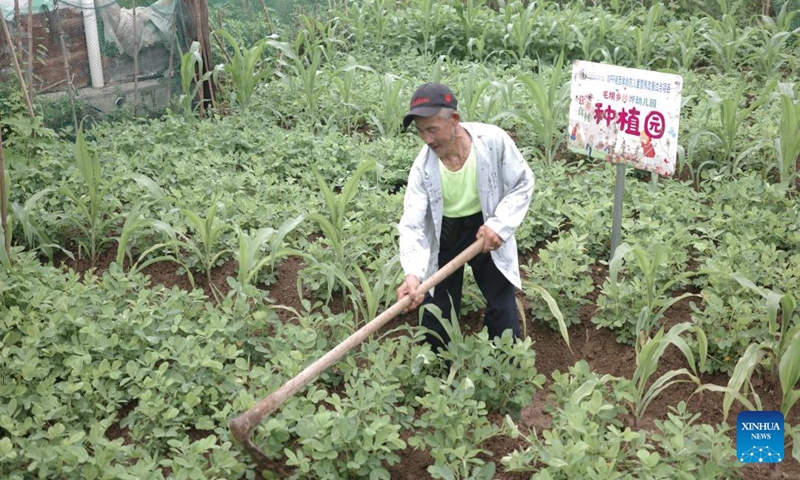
(425, 123)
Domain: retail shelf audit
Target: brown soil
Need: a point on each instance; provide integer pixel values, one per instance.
(597, 346)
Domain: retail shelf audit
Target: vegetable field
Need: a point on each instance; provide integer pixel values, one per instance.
(161, 276)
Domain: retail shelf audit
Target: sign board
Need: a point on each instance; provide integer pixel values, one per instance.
(625, 115)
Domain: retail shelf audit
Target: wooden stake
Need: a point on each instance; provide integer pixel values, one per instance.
(30, 46)
(56, 14)
(201, 110)
(266, 15)
(17, 17)
(135, 61)
(4, 201)
(172, 40)
(16, 66)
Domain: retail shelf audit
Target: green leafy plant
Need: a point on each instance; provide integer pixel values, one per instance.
(501, 369)
(587, 436)
(472, 93)
(192, 62)
(208, 230)
(387, 118)
(731, 118)
(633, 307)
(520, 27)
(787, 143)
(726, 40)
(453, 426)
(646, 38)
(779, 352)
(95, 214)
(648, 357)
(135, 221)
(376, 287)
(306, 71)
(249, 259)
(562, 268)
(549, 96)
(333, 225)
(243, 69)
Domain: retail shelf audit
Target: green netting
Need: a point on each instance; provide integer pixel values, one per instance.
(7, 6)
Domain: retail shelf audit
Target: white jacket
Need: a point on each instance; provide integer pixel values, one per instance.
(505, 188)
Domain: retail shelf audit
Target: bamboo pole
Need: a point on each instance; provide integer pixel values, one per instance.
(4, 201)
(266, 15)
(135, 61)
(17, 67)
(30, 45)
(172, 40)
(65, 58)
(17, 17)
(205, 44)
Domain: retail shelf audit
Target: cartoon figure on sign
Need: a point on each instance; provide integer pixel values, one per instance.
(647, 146)
(574, 133)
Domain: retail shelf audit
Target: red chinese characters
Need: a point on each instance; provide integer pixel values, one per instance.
(628, 120)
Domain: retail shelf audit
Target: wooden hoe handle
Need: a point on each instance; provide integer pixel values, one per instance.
(242, 426)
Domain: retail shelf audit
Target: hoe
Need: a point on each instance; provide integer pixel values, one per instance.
(242, 426)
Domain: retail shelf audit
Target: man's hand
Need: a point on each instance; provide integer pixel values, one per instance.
(491, 240)
(409, 287)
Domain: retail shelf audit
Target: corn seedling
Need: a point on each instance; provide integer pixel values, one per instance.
(645, 38)
(35, 235)
(648, 356)
(652, 298)
(731, 118)
(690, 43)
(171, 248)
(250, 261)
(429, 20)
(94, 216)
(381, 13)
(787, 145)
(192, 62)
(343, 83)
(468, 12)
(530, 287)
(135, 221)
(333, 225)
(521, 26)
(780, 351)
(209, 230)
(387, 121)
(726, 41)
(549, 96)
(319, 33)
(243, 69)
(592, 37)
(771, 54)
(657, 301)
(306, 71)
(472, 93)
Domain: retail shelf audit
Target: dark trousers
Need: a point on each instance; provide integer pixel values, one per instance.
(501, 309)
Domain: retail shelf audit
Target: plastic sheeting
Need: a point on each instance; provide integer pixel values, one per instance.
(153, 24)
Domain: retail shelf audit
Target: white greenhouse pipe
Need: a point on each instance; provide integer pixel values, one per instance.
(92, 43)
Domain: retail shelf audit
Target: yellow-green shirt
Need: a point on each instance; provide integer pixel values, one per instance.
(460, 188)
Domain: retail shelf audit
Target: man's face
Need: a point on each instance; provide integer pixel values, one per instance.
(437, 133)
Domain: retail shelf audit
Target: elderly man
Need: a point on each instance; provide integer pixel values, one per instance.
(469, 181)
